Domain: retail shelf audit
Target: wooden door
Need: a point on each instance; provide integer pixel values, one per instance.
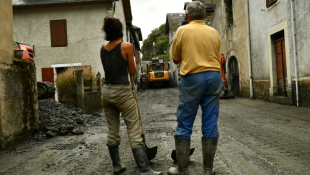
(281, 67)
(48, 75)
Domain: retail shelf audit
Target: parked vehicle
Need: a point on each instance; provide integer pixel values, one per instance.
(157, 71)
(45, 89)
(28, 51)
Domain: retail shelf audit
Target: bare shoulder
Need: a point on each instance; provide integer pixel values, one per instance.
(126, 45)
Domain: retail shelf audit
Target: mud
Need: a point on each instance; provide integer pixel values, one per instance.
(58, 119)
(256, 137)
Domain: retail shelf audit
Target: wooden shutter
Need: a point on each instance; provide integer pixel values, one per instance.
(48, 75)
(270, 2)
(58, 33)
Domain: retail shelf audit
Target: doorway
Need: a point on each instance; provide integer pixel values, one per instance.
(280, 89)
(234, 75)
(281, 67)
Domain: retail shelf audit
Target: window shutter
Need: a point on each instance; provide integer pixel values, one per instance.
(267, 3)
(270, 2)
(58, 33)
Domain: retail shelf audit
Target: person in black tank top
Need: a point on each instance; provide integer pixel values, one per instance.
(117, 97)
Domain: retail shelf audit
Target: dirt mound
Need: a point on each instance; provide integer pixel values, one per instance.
(58, 119)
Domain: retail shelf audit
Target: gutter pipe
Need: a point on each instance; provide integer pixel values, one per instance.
(249, 51)
(295, 51)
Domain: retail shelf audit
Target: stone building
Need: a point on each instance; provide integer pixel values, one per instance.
(68, 33)
(279, 40)
(268, 41)
(265, 44)
(173, 22)
(231, 23)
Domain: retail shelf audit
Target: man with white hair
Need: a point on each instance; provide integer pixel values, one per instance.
(196, 48)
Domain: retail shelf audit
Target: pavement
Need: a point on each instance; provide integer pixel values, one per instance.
(256, 137)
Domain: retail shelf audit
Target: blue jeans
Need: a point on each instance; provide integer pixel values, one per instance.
(199, 89)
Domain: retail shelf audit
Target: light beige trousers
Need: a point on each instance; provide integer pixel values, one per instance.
(118, 99)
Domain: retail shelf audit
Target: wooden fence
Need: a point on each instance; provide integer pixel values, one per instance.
(89, 92)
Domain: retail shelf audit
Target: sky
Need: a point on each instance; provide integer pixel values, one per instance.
(150, 14)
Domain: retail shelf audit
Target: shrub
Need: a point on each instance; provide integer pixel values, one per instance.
(66, 85)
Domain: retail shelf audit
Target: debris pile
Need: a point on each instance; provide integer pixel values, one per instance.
(58, 119)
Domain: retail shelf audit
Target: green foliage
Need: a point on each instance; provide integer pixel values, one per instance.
(162, 43)
(15, 46)
(21, 63)
(67, 85)
(230, 18)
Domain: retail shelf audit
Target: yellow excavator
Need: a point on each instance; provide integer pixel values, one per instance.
(158, 70)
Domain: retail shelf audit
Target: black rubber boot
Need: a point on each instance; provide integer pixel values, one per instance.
(208, 153)
(142, 162)
(182, 148)
(114, 154)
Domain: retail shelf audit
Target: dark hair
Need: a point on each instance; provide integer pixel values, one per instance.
(113, 28)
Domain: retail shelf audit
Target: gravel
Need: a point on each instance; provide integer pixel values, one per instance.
(58, 119)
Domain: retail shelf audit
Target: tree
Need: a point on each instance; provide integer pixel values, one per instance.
(162, 43)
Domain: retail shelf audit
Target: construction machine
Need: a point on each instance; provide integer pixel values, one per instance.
(45, 89)
(158, 70)
(226, 93)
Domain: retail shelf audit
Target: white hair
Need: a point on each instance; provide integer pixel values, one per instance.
(196, 10)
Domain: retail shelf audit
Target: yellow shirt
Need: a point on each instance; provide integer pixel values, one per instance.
(197, 46)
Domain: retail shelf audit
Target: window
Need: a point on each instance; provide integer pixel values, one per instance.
(59, 33)
(270, 2)
(229, 13)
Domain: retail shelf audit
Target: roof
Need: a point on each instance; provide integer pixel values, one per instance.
(138, 30)
(20, 3)
(210, 5)
(173, 21)
(39, 3)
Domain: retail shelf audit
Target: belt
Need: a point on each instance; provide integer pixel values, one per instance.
(116, 84)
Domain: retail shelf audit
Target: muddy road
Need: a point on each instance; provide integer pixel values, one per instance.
(256, 137)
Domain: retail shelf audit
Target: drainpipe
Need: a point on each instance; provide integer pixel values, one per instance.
(249, 50)
(295, 50)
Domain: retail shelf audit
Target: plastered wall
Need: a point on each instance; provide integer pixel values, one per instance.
(234, 39)
(84, 23)
(6, 35)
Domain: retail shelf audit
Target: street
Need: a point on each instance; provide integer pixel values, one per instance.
(256, 137)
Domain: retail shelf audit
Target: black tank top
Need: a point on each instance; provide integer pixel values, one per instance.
(114, 65)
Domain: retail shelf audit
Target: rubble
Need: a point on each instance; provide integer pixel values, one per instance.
(58, 119)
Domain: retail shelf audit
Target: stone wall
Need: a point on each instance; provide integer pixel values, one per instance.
(92, 101)
(6, 33)
(18, 103)
(18, 91)
(304, 92)
(261, 89)
(234, 41)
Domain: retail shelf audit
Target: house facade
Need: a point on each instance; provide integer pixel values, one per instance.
(279, 40)
(268, 40)
(67, 33)
(230, 21)
(173, 22)
(265, 45)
